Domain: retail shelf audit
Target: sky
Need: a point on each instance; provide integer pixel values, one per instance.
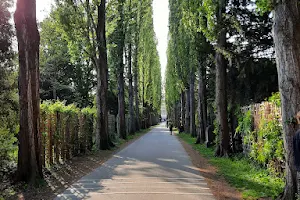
(161, 23)
(160, 17)
(43, 8)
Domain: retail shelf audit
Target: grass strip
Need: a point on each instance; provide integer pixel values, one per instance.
(252, 181)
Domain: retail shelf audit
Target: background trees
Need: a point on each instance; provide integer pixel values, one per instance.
(243, 65)
(242, 41)
(66, 71)
(91, 53)
(216, 49)
(8, 87)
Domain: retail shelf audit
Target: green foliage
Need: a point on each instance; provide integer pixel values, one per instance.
(66, 69)
(8, 147)
(266, 143)
(8, 89)
(208, 20)
(265, 6)
(275, 99)
(187, 49)
(245, 127)
(89, 111)
(172, 84)
(71, 127)
(148, 60)
(269, 146)
(254, 182)
(61, 107)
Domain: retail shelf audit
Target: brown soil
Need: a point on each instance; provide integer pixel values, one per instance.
(60, 177)
(219, 187)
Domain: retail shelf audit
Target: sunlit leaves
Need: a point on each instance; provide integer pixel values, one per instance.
(265, 6)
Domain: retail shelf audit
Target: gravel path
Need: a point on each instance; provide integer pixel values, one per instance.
(154, 167)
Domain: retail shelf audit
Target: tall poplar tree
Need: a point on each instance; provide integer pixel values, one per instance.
(29, 156)
(286, 33)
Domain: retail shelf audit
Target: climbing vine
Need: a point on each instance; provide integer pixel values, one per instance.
(263, 139)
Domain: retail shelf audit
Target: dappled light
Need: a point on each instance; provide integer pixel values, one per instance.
(138, 170)
(149, 99)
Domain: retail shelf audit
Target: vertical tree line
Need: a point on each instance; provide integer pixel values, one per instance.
(226, 45)
(89, 50)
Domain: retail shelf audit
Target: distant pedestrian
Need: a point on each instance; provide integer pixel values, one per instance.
(171, 128)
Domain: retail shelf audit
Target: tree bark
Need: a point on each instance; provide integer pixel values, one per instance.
(192, 104)
(136, 71)
(131, 106)
(221, 89)
(102, 81)
(121, 105)
(120, 71)
(29, 155)
(177, 120)
(136, 93)
(182, 108)
(130, 90)
(286, 32)
(221, 102)
(202, 104)
(187, 110)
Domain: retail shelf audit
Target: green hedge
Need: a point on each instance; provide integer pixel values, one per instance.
(67, 131)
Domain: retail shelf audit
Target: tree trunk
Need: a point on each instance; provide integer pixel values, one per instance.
(202, 104)
(121, 104)
(192, 104)
(187, 111)
(131, 107)
(102, 81)
(221, 89)
(29, 156)
(120, 70)
(177, 120)
(136, 71)
(182, 108)
(130, 87)
(286, 31)
(221, 102)
(136, 95)
(136, 86)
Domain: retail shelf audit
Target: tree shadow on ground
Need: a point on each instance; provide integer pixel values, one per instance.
(167, 162)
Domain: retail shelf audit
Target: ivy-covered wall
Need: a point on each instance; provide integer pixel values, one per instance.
(261, 128)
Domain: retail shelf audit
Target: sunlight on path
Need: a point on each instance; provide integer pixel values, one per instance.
(154, 167)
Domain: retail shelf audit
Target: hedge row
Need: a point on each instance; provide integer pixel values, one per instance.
(66, 131)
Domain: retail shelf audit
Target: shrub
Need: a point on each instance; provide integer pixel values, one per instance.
(8, 147)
